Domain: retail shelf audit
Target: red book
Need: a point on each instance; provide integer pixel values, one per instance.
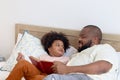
(43, 66)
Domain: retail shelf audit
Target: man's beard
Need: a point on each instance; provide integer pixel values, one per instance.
(87, 45)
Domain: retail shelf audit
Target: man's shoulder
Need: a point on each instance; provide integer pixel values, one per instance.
(102, 47)
(106, 47)
(99, 47)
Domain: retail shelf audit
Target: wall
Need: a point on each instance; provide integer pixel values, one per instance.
(72, 14)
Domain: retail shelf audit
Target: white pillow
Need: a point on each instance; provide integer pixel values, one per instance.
(70, 51)
(28, 45)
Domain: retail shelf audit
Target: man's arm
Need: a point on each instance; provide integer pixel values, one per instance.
(98, 67)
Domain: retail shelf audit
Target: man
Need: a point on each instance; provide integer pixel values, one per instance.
(94, 61)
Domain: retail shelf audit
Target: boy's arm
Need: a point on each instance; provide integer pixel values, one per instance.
(20, 56)
(34, 58)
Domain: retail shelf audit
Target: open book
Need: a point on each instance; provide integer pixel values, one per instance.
(43, 66)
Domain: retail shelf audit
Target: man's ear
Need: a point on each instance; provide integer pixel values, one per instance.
(95, 40)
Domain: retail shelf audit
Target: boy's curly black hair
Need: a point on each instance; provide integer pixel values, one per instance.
(48, 39)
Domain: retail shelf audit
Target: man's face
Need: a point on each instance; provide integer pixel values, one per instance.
(85, 39)
(85, 46)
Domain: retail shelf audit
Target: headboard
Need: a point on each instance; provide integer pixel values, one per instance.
(72, 35)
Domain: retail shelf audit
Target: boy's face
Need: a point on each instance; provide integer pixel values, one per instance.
(57, 48)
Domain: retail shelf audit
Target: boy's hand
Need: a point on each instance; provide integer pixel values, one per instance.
(20, 56)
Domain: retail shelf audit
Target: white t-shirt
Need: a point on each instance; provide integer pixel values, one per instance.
(96, 53)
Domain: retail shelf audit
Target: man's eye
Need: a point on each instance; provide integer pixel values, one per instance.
(84, 36)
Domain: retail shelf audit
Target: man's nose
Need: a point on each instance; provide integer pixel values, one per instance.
(79, 38)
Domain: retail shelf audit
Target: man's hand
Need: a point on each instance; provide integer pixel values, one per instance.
(20, 56)
(60, 68)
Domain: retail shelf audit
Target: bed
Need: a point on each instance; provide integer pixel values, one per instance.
(39, 31)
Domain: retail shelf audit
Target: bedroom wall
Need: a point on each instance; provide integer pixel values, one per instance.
(72, 14)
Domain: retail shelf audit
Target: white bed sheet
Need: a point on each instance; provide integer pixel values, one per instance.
(119, 66)
(3, 74)
(118, 78)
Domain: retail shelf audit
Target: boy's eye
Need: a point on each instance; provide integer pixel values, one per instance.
(57, 45)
